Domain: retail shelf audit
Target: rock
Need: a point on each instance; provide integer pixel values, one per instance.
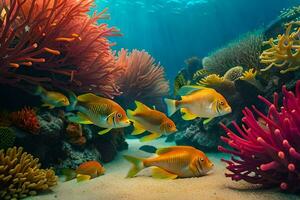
(109, 144)
(74, 156)
(51, 124)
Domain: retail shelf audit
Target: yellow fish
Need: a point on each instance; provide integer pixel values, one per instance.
(172, 162)
(99, 111)
(198, 101)
(147, 119)
(52, 99)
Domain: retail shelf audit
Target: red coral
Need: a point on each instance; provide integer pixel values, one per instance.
(143, 79)
(26, 119)
(268, 154)
(56, 42)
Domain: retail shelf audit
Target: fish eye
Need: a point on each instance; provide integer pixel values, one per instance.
(201, 159)
(119, 115)
(169, 126)
(222, 103)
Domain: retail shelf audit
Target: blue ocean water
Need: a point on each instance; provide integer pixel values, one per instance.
(174, 30)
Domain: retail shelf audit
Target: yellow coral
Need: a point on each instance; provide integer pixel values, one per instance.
(200, 74)
(20, 174)
(211, 80)
(284, 52)
(218, 83)
(249, 75)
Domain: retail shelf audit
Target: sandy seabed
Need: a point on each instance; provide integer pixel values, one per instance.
(113, 185)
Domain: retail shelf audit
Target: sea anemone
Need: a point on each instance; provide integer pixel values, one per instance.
(20, 174)
(283, 52)
(266, 150)
(56, 43)
(27, 120)
(143, 79)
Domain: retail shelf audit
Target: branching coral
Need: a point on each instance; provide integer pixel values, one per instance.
(250, 77)
(56, 42)
(284, 52)
(290, 13)
(20, 175)
(26, 119)
(143, 80)
(7, 136)
(243, 52)
(268, 148)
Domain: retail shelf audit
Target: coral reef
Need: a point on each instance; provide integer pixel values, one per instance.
(234, 73)
(21, 175)
(56, 43)
(27, 120)
(242, 52)
(73, 156)
(143, 79)
(7, 136)
(284, 52)
(5, 120)
(109, 144)
(195, 135)
(75, 134)
(51, 125)
(266, 148)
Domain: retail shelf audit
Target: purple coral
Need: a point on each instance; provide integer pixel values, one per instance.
(269, 152)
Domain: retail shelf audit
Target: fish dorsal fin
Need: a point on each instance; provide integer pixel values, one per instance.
(188, 89)
(174, 148)
(89, 97)
(140, 107)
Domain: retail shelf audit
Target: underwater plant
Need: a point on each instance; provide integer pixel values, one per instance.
(26, 119)
(56, 43)
(283, 52)
(143, 79)
(21, 176)
(242, 52)
(7, 136)
(266, 150)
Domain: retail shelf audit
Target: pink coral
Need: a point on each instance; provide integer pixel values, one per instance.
(269, 152)
(56, 42)
(143, 79)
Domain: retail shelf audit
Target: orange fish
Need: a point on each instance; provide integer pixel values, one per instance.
(85, 171)
(147, 119)
(198, 101)
(99, 111)
(172, 162)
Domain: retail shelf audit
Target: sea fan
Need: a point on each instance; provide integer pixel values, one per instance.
(55, 42)
(143, 80)
(268, 146)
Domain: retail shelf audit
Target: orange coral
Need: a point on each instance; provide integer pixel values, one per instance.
(26, 119)
(75, 135)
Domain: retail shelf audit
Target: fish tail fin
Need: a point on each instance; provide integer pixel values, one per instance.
(137, 165)
(39, 90)
(171, 106)
(130, 113)
(68, 173)
(73, 101)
